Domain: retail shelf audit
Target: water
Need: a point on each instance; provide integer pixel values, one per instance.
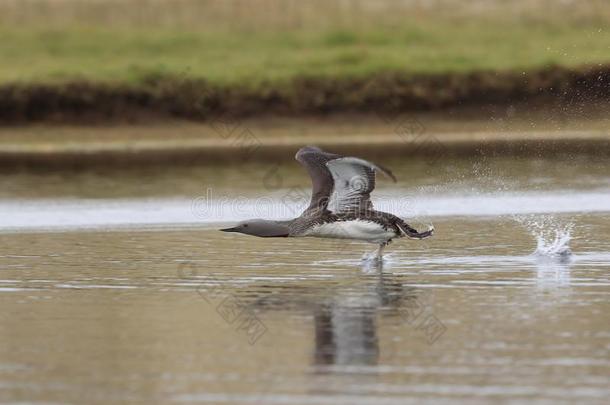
(116, 287)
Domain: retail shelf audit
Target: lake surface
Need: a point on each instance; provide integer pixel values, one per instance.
(116, 287)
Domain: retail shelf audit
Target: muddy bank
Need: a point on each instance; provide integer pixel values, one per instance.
(166, 97)
(430, 148)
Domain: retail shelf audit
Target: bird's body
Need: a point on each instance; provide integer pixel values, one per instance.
(370, 226)
(358, 229)
(340, 205)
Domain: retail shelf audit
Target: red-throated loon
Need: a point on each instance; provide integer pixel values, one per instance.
(340, 204)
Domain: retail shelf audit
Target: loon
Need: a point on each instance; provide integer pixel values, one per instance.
(340, 205)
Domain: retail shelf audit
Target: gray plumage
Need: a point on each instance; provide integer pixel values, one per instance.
(340, 205)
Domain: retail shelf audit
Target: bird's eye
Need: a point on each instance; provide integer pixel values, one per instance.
(245, 225)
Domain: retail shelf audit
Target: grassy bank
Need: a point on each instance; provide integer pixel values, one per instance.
(39, 54)
(63, 59)
(34, 55)
(169, 97)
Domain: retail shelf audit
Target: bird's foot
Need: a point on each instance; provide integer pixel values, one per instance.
(371, 262)
(375, 258)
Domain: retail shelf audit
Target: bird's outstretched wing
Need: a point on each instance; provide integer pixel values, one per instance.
(340, 184)
(354, 180)
(314, 160)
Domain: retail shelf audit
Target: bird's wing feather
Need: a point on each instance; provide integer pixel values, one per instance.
(339, 184)
(354, 180)
(314, 160)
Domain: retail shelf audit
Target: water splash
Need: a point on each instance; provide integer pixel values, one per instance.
(558, 246)
(552, 236)
(370, 263)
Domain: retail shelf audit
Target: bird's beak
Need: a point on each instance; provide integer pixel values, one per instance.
(229, 230)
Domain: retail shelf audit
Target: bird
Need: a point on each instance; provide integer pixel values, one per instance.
(340, 205)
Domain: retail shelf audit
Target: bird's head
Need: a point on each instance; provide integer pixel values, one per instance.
(260, 227)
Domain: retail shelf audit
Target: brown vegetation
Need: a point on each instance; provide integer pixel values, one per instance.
(165, 97)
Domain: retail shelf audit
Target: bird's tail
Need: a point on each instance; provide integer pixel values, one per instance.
(410, 232)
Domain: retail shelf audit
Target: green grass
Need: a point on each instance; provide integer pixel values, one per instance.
(35, 52)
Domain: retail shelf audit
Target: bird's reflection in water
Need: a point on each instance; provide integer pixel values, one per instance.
(345, 336)
(553, 273)
(345, 315)
(346, 324)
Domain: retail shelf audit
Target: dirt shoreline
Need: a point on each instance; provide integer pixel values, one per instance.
(165, 98)
(432, 148)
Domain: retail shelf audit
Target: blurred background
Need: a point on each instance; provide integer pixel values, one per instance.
(238, 41)
(285, 67)
(323, 67)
